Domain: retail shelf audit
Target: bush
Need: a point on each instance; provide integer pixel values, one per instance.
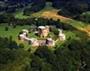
(85, 17)
(6, 28)
(54, 30)
(21, 45)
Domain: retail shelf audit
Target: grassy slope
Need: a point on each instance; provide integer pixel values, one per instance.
(50, 12)
(47, 12)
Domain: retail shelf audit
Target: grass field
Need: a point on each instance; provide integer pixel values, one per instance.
(14, 33)
(47, 12)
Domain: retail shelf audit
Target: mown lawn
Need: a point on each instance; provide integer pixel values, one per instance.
(14, 33)
(11, 31)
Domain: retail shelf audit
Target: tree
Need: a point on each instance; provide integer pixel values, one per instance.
(71, 8)
(36, 5)
(48, 56)
(12, 59)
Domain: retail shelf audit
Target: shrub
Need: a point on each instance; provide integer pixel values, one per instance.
(6, 28)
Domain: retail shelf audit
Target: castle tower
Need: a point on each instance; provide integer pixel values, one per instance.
(43, 31)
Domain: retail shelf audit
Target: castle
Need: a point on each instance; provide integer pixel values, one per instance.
(43, 32)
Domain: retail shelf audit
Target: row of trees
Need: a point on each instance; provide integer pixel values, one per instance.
(10, 20)
(11, 6)
(36, 6)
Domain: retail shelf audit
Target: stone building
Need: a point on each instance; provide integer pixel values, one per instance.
(23, 35)
(25, 31)
(50, 42)
(33, 42)
(62, 36)
(46, 42)
(43, 31)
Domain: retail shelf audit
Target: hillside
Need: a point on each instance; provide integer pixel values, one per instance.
(43, 36)
(50, 12)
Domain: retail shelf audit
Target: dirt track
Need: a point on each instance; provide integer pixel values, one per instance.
(55, 16)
